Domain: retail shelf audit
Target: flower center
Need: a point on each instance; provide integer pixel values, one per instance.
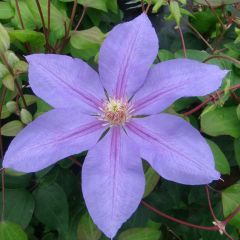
(116, 111)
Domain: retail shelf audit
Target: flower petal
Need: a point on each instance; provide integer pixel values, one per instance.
(63, 81)
(174, 148)
(173, 79)
(51, 137)
(126, 55)
(112, 181)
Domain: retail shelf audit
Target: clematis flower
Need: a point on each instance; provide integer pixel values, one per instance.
(112, 173)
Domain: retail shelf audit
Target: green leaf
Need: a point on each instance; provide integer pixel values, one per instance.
(204, 21)
(230, 201)
(175, 11)
(216, 3)
(221, 121)
(140, 234)
(11, 231)
(36, 39)
(19, 206)
(87, 230)
(28, 18)
(42, 107)
(222, 164)
(165, 55)
(11, 106)
(99, 4)
(86, 44)
(152, 179)
(8, 82)
(3, 71)
(52, 207)
(6, 11)
(57, 18)
(29, 99)
(12, 128)
(157, 5)
(5, 113)
(237, 150)
(4, 39)
(112, 5)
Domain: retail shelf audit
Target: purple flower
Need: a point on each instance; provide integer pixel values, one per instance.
(112, 174)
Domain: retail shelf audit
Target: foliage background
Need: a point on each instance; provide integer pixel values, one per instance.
(48, 205)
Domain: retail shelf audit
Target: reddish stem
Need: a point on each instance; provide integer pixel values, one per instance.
(3, 195)
(4, 91)
(210, 204)
(48, 47)
(81, 18)
(49, 16)
(143, 8)
(27, 45)
(207, 228)
(207, 100)
(183, 42)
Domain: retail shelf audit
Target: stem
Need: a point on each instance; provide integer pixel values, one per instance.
(19, 14)
(66, 37)
(75, 161)
(232, 215)
(81, 18)
(20, 93)
(4, 91)
(233, 60)
(27, 45)
(207, 228)
(72, 17)
(183, 42)
(49, 17)
(210, 204)
(205, 102)
(4, 60)
(148, 6)
(209, 99)
(43, 25)
(3, 195)
(143, 8)
(215, 14)
(200, 36)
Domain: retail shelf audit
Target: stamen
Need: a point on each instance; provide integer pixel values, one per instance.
(116, 111)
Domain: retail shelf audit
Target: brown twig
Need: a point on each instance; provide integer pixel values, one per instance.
(72, 17)
(4, 60)
(200, 36)
(148, 6)
(223, 56)
(81, 18)
(45, 32)
(143, 8)
(49, 16)
(27, 45)
(215, 14)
